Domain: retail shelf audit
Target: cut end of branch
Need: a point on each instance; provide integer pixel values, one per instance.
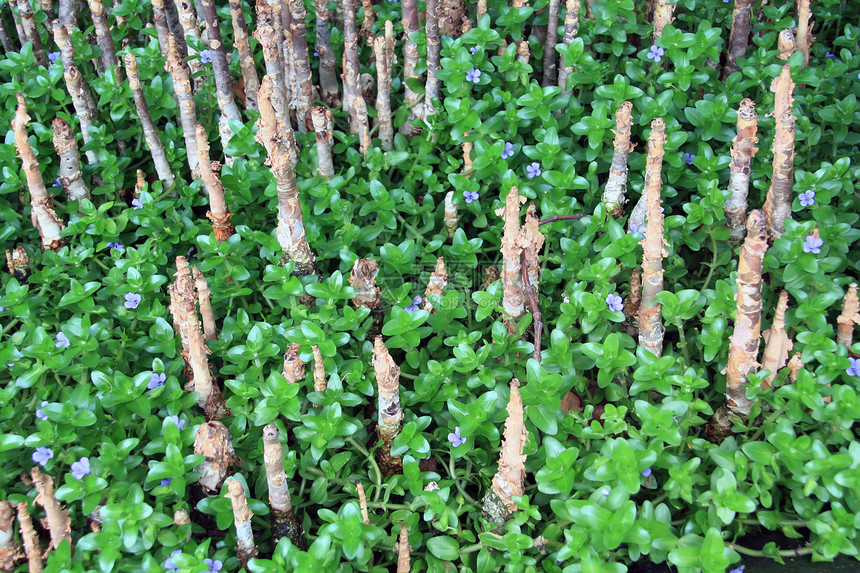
(509, 481)
(294, 368)
(213, 441)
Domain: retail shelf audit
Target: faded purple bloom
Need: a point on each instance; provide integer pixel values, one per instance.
(57, 183)
(42, 455)
(2, 308)
(738, 569)
(533, 170)
(168, 564)
(166, 481)
(656, 54)
(614, 302)
(606, 493)
(53, 56)
(509, 150)
(40, 413)
(470, 196)
(807, 198)
(829, 55)
(455, 437)
(81, 468)
(689, 157)
(634, 228)
(117, 246)
(132, 299)
(473, 49)
(214, 566)
(156, 381)
(62, 341)
(473, 75)
(813, 245)
(179, 423)
(136, 203)
(854, 369)
(415, 304)
(206, 56)
(647, 472)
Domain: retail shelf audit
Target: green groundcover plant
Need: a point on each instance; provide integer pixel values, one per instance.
(617, 464)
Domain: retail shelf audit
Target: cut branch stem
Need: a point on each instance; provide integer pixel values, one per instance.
(743, 151)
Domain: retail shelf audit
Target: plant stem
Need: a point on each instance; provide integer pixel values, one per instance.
(453, 474)
(799, 552)
(713, 264)
(377, 475)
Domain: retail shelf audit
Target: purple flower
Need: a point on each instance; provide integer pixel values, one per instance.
(214, 566)
(509, 150)
(415, 304)
(533, 170)
(812, 244)
(854, 369)
(53, 56)
(2, 308)
(156, 381)
(81, 468)
(136, 203)
(689, 157)
(179, 423)
(62, 341)
(807, 198)
(42, 455)
(166, 481)
(473, 75)
(316, 54)
(205, 56)
(470, 196)
(168, 563)
(647, 472)
(57, 183)
(606, 493)
(117, 246)
(829, 55)
(634, 228)
(473, 49)
(614, 302)
(455, 437)
(40, 413)
(738, 569)
(132, 299)
(655, 54)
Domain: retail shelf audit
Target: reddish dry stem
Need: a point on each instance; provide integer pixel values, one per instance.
(777, 206)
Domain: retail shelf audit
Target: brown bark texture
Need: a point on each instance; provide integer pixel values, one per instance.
(218, 212)
(320, 382)
(250, 78)
(849, 316)
(242, 515)
(67, 54)
(175, 64)
(739, 36)
(362, 122)
(450, 214)
(409, 12)
(437, 283)
(322, 120)
(363, 280)
(294, 368)
(804, 40)
(59, 524)
(650, 315)
(403, 565)
(79, 92)
(351, 65)
(10, 550)
(190, 27)
(213, 442)
(571, 24)
(362, 502)
(777, 205)
(30, 539)
(634, 298)
(786, 44)
(743, 151)
(531, 242)
(777, 344)
(550, 63)
(452, 16)
(31, 32)
(268, 35)
(18, 263)
(433, 85)
(383, 92)
(210, 330)
(5, 39)
(616, 184)
(159, 19)
(509, 480)
(390, 414)
(70, 160)
(513, 295)
(103, 35)
(329, 88)
(305, 95)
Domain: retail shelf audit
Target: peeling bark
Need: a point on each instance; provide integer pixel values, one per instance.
(409, 13)
(849, 316)
(390, 414)
(550, 66)
(284, 522)
(777, 343)
(322, 120)
(30, 539)
(403, 565)
(221, 71)
(320, 382)
(531, 242)
(42, 215)
(509, 481)
(268, 35)
(571, 24)
(159, 158)
(213, 442)
(59, 524)
(513, 297)
(436, 285)
(383, 92)
(5, 38)
(190, 27)
(743, 151)
(210, 331)
(369, 18)
(467, 158)
(70, 161)
(294, 368)
(450, 214)
(743, 351)
(650, 314)
(482, 9)
(739, 36)
(351, 65)
(329, 89)
(631, 305)
(363, 280)
(616, 185)
(786, 44)
(31, 33)
(362, 122)
(362, 502)
(804, 40)
(242, 514)
(159, 19)
(305, 98)
(103, 35)
(246, 58)
(453, 18)
(663, 10)
(67, 54)
(175, 64)
(777, 206)
(218, 212)
(78, 90)
(10, 550)
(18, 263)
(433, 85)
(795, 365)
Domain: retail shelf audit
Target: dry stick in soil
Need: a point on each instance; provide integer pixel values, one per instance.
(739, 36)
(214, 443)
(513, 295)
(70, 160)
(450, 214)
(367, 294)
(218, 212)
(616, 185)
(320, 382)
(284, 522)
(246, 57)
(390, 414)
(31, 33)
(175, 64)
(413, 100)
(777, 206)
(777, 343)
(109, 59)
(242, 515)
(359, 108)
(743, 151)
(322, 120)
(650, 316)
(210, 331)
(509, 481)
(10, 550)
(403, 565)
(159, 19)
(383, 92)
(662, 16)
(59, 524)
(43, 216)
(550, 65)
(432, 85)
(301, 61)
(190, 27)
(804, 40)
(351, 66)
(743, 351)
(159, 158)
(329, 88)
(436, 284)
(571, 23)
(849, 316)
(362, 502)
(221, 71)
(294, 368)
(30, 539)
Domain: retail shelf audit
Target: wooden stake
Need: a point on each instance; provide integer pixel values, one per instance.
(175, 64)
(777, 343)
(409, 11)
(223, 79)
(246, 57)
(210, 331)
(662, 16)
(329, 89)
(433, 85)
(322, 120)
(305, 96)
(804, 40)
(383, 92)
(105, 39)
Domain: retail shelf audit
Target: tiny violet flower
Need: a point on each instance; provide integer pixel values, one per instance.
(605, 493)
(316, 54)
(40, 413)
(156, 381)
(656, 54)
(807, 198)
(415, 304)
(42, 455)
(132, 299)
(62, 341)
(636, 229)
(689, 157)
(470, 196)
(136, 203)
(57, 183)
(53, 56)
(614, 302)
(455, 437)
(473, 75)
(117, 246)
(81, 468)
(854, 369)
(473, 49)
(647, 472)
(179, 423)
(168, 563)
(533, 170)
(166, 481)
(2, 308)
(829, 55)
(812, 244)
(206, 56)
(738, 569)
(214, 566)
(509, 150)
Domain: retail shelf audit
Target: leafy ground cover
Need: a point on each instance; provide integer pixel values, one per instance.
(493, 299)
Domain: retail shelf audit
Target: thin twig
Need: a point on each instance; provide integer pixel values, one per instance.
(530, 292)
(555, 218)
